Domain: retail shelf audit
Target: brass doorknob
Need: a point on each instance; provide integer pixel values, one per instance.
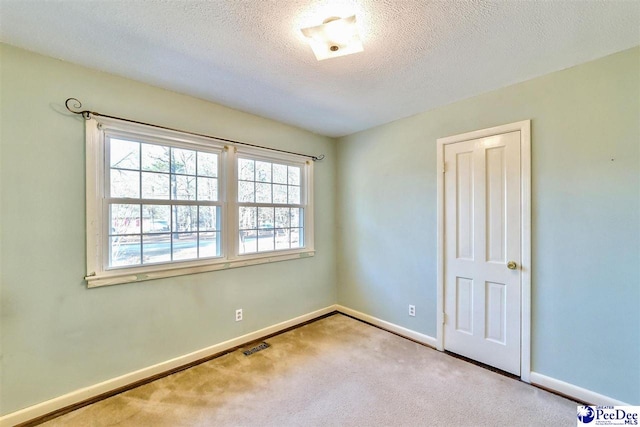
(511, 265)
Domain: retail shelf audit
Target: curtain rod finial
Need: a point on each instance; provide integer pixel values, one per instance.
(77, 105)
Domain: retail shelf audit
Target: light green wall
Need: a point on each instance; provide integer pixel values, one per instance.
(57, 335)
(585, 218)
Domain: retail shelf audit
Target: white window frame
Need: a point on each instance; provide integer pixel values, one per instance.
(98, 273)
(306, 194)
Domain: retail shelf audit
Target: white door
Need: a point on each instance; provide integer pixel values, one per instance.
(482, 232)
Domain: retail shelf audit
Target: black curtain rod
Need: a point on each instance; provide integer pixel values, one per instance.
(75, 109)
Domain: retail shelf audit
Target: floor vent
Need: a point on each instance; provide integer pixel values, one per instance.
(256, 349)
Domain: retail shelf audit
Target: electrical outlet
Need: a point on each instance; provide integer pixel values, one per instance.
(238, 315)
(412, 310)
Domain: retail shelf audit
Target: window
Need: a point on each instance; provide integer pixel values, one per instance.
(162, 203)
(270, 212)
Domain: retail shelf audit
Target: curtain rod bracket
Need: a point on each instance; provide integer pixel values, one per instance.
(76, 108)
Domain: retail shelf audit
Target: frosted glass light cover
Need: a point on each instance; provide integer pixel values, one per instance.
(339, 34)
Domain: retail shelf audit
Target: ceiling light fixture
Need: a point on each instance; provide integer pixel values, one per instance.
(335, 37)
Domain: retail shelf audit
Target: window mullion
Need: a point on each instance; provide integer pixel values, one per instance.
(197, 212)
(172, 220)
(141, 207)
(231, 218)
(197, 230)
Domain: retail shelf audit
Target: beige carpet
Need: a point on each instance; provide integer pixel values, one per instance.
(336, 371)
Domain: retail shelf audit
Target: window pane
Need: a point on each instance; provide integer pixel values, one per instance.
(279, 193)
(185, 246)
(125, 250)
(295, 217)
(208, 218)
(183, 161)
(282, 238)
(155, 158)
(124, 154)
(156, 248)
(156, 218)
(155, 185)
(279, 174)
(265, 240)
(245, 169)
(183, 187)
(125, 219)
(207, 189)
(125, 183)
(296, 238)
(294, 195)
(282, 217)
(207, 164)
(263, 171)
(208, 245)
(185, 218)
(266, 233)
(248, 242)
(294, 175)
(247, 218)
(263, 193)
(265, 217)
(246, 192)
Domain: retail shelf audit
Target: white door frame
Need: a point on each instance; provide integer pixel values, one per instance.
(525, 211)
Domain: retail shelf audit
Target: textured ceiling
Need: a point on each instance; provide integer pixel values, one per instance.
(250, 55)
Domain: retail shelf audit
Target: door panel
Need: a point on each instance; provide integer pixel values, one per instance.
(464, 305)
(464, 189)
(495, 178)
(495, 314)
(482, 234)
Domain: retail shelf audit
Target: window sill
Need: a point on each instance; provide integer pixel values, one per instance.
(117, 277)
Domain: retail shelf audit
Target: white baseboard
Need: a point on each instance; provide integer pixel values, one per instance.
(82, 394)
(574, 391)
(550, 383)
(400, 330)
